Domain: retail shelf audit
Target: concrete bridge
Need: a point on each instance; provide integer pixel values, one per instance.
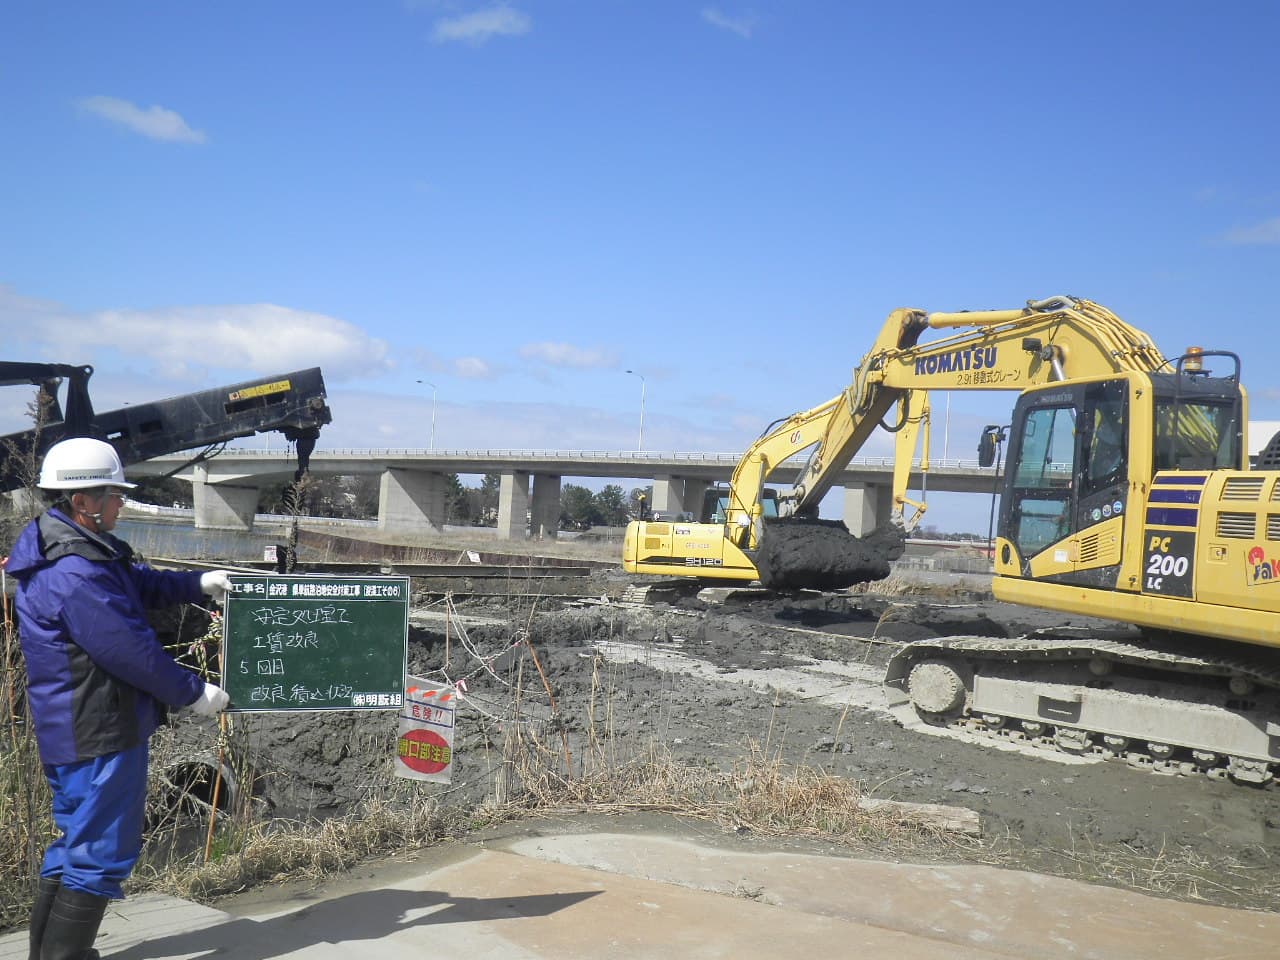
(412, 485)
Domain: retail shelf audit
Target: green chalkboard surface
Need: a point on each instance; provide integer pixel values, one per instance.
(315, 643)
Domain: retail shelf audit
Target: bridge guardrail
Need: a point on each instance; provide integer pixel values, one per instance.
(935, 463)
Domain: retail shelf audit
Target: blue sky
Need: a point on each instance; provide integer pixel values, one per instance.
(518, 202)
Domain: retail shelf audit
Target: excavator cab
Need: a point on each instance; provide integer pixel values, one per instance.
(1082, 455)
(716, 500)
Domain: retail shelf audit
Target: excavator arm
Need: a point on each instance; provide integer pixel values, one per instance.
(1048, 340)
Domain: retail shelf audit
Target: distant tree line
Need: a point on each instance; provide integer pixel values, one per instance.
(580, 509)
(933, 533)
(164, 491)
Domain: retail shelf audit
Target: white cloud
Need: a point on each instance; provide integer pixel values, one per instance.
(477, 28)
(742, 25)
(156, 122)
(473, 368)
(1266, 233)
(567, 355)
(468, 368)
(260, 338)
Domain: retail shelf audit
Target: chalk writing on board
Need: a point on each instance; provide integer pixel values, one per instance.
(287, 616)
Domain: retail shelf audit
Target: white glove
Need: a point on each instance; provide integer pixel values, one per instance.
(212, 700)
(215, 583)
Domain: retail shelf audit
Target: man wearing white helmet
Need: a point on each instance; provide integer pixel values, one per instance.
(98, 681)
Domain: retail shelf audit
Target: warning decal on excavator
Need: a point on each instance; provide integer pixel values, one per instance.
(261, 390)
(1169, 565)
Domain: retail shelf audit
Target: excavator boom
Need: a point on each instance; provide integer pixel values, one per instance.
(1049, 340)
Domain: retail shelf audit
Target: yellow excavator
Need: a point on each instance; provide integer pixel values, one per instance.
(1127, 494)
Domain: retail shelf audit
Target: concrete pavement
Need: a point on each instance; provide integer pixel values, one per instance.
(583, 896)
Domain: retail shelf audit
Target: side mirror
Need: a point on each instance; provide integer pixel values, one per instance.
(987, 448)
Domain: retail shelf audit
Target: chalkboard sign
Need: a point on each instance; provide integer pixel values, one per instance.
(315, 643)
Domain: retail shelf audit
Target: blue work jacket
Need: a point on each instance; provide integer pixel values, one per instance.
(97, 674)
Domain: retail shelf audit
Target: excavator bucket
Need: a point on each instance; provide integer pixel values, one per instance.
(823, 555)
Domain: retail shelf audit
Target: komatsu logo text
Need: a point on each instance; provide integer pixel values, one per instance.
(976, 358)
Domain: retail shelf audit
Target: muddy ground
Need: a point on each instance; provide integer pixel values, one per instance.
(794, 676)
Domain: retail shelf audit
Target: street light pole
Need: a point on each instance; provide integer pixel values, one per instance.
(946, 429)
(640, 445)
(433, 411)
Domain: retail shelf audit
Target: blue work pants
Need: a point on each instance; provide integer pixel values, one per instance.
(98, 805)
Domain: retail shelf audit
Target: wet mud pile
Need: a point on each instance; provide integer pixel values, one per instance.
(823, 555)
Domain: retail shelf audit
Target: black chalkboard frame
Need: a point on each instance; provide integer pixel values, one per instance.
(306, 643)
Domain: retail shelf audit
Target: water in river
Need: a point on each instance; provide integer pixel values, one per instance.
(166, 538)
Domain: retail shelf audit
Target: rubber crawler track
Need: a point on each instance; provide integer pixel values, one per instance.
(975, 652)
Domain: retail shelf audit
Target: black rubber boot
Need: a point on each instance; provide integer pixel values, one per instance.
(73, 926)
(45, 892)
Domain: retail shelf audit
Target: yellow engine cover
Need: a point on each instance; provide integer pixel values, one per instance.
(1201, 556)
(665, 548)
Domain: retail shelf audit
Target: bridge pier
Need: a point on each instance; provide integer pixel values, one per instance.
(408, 500)
(866, 506)
(544, 513)
(520, 515)
(676, 495)
(513, 505)
(222, 506)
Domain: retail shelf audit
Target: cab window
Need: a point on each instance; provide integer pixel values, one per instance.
(1042, 479)
(1195, 436)
(1106, 418)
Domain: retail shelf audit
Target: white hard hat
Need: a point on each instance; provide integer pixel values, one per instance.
(80, 464)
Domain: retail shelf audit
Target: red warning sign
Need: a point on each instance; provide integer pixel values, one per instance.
(424, 751)
(424, 744)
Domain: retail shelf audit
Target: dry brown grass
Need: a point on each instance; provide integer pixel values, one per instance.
(1174, 870)
(269, 851)
(759, 792)
(26, 824)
